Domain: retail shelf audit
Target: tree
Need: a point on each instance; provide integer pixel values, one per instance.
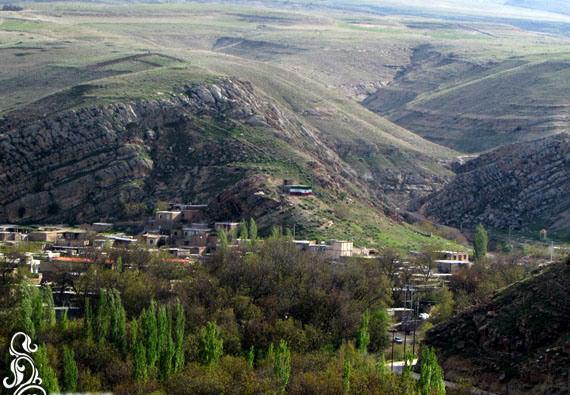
(119, 264)
(243, 233)
(282, 365)
(275, 232)
(70, 371)
(63, 321)
(38, 312)
(165, 343)
(252, 231)
(431, 376)
(24, 321)
(45, 371)
(212, 343)
(103, 319)
(480, 241)
(118, 320)
(363, 334)
(250, 357)
(149, 330)
(88, 321)
(49, 308)
(379, 325)
(444, 308)
(140, 368)
(346, 373)
(179, 325)
(223, 240)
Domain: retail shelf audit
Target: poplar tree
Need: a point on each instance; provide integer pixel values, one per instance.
(480, 241)
(140, 367)
(363, 335)
(346, 373)
(45, 371)
(38, 314)
(70, 371)
(103, 319)
(149, 330)
(24, 321)
(63, 321)
(243, 233)
(282, 365)
(88, 321)
(49, 308)
(212, 344)
(119, 264)
(223, 240)
(252, 231)
(118, 320)
(179, 325)
(431, 376)
(250, 357)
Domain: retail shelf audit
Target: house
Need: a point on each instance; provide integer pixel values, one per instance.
(154, 240)
(102, 226)
(296, 189)
(168, 217)
(195, 235)
(73, 238)
(121, 241)
(451, 261)
(339, 248)
(49, 236)
(191, 212)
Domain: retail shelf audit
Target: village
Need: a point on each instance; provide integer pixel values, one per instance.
(183, 232)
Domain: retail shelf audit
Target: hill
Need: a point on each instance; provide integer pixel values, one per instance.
(523, 186)
(517, 343)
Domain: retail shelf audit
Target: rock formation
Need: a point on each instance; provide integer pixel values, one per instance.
(520, 340)
(523, 186)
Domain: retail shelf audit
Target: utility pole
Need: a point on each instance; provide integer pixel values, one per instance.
(393, 334)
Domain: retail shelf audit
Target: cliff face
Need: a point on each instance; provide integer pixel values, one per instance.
(200, 144)
(106, 161)
(521, 338)
(521, 185)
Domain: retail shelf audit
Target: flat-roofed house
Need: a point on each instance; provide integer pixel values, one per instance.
(451, 261)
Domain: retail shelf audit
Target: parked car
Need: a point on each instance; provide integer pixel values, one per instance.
(398, 340)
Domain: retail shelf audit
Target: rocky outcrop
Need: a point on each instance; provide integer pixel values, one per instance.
(111, 160)
(517, 343)
(523, 186)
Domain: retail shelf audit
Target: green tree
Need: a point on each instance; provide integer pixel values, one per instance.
(431, 376)
(275, 233)
(38, 312)
(252, 231)
(346, 373)
(444, 307)
(88, 321)
(119, 264)
(243, 232)
(49, 307)
(140, 367)
(222, 240)
(212, 344)
(480, 241)
(379, 325)
(103, 317)
(118, 320)
(45, 371)
(63, 321)
(382, 369)
(363, 334)
(179, 325)
(250, 357)
(149, 329)
(24, 321)
(282, 365)
(70, 371)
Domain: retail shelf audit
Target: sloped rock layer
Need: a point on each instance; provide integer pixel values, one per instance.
(523, 186)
